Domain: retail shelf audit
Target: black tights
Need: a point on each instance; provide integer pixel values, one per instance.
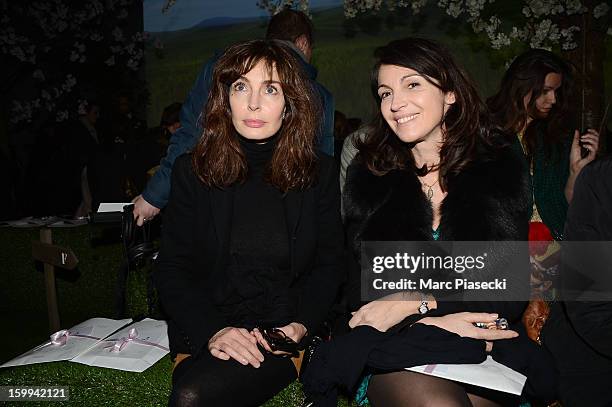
(411, 389)
(208, 381)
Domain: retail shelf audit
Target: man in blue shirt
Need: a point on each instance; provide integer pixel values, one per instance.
(293, 28)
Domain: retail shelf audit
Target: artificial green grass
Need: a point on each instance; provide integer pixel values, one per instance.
(94, 386)
(83, 294)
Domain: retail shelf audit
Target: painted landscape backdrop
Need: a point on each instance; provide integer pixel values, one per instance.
(342, 54)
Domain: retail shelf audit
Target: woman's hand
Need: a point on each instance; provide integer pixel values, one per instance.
(462, 324)
(384, 313)
(236, 343)
(590, 141)
(295, 331)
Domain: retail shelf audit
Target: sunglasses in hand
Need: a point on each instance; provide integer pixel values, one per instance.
(279, 341)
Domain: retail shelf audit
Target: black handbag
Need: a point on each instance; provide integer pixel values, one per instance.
(139, 250)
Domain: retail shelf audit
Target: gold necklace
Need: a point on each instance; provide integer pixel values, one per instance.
(429, 192)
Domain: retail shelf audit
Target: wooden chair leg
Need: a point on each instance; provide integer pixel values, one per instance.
(179, 358)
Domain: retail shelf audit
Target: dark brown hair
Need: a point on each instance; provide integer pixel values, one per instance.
(171, 114)
(526, 76)
(289, 25)
(218, 158)
(463, 126)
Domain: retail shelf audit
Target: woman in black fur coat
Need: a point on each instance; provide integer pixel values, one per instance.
(430, 170)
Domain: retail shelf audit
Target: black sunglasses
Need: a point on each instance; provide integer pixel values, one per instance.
(279, 341)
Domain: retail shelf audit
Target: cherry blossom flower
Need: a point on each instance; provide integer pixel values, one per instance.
(600, 10)
(41, 44)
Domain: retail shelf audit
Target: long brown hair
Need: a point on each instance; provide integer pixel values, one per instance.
(464, 125)
(526, 76)
(218, 158)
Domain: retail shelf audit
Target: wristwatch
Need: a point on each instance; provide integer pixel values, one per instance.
(424, 307)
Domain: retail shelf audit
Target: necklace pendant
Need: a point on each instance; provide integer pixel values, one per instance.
(430, 193)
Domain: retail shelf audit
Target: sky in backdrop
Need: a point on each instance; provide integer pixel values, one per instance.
(187, 13)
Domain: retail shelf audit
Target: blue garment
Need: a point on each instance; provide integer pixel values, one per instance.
(435, 233)
(361, 397)
(185, 138)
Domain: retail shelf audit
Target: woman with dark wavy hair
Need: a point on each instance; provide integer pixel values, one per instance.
(252, 240)
(535, 108)
(431, 168)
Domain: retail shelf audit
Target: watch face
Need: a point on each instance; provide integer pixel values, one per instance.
(423, 308)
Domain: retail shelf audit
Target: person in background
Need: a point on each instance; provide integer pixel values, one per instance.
(579, 333)
(252, 238)
(534, 106)
(340, 124)
(349, 151)
(292, 27)
(343, 127)
(125, 126)
(85, 141)
(170, 121)
(144, 155)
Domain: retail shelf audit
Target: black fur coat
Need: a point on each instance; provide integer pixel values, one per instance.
(487, 201)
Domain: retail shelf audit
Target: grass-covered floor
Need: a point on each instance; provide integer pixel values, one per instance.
(91, 386)
(83, 294)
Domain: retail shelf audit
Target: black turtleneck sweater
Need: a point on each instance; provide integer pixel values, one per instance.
(259, 229)
(259, 270)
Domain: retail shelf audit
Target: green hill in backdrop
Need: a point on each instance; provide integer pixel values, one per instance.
(342, 54)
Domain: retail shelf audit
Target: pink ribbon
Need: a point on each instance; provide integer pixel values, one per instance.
(430, 368)
(132, 337)
(60, 338)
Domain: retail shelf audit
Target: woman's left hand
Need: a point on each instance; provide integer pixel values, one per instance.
(590, 141)
(384, 313)
(294, 330)
(462, 323)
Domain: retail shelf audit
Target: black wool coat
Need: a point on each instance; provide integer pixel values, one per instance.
(194, 252)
